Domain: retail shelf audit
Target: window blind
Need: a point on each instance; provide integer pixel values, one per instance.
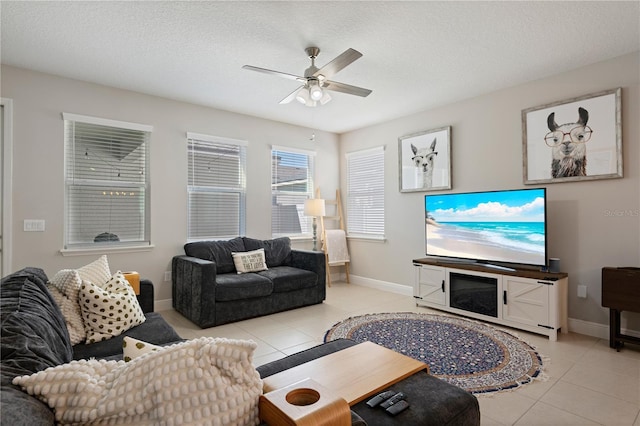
(365, 193)
(106, 182)
(216, 187)
(292, 174)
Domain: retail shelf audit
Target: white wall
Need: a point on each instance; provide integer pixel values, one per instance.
(487, 155)
(38, 183)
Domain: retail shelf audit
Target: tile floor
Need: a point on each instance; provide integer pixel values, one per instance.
(589, 383)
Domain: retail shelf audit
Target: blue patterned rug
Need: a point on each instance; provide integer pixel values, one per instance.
(468, 354)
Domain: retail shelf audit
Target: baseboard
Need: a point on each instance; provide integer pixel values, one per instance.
(163, 305)
(595, 329)
(382, 285)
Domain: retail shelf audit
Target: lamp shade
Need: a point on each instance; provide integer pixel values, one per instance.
(314, 207)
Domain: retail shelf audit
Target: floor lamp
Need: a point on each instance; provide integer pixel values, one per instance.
(314, 207)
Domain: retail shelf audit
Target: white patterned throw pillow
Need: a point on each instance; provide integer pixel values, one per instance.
(134, 348)
(96, 272)
(110, 309)
(71, 313)
(249, 261)
(65, 287)
(202, 381)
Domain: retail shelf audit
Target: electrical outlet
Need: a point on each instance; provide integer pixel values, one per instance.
(582, 291)
(167, 276)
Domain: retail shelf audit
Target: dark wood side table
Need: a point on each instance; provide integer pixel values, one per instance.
(620, 292)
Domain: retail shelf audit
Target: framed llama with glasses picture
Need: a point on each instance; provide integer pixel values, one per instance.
(573, 140)
(424, 160)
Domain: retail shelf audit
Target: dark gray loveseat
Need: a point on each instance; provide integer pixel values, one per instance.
(208, 290)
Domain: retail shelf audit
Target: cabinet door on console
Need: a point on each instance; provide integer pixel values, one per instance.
(525, 301)
(431, 281)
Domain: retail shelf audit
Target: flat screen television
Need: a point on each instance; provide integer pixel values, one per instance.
(491, 227)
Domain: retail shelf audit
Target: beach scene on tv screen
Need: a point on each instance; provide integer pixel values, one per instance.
(503, 226)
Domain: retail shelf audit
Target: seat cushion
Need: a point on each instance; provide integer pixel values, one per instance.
(216, 251)
(288, 278)
(244, 286)
(276, 251)
(154, 330)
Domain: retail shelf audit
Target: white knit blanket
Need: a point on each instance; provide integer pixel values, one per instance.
(206, 381)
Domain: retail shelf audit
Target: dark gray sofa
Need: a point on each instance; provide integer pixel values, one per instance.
(208, 290)
(34, 337)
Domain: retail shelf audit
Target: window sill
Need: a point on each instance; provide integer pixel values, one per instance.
(105, 249)
(370, 238)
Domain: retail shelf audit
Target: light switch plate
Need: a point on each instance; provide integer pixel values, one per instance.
(34, 225)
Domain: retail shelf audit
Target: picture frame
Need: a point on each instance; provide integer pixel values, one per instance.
(424, 160)
(573, 140)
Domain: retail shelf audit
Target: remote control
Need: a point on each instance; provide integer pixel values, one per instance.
(397, 408)
(376, 400)
(393, 400)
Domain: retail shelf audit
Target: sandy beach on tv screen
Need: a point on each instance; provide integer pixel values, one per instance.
(447, 242)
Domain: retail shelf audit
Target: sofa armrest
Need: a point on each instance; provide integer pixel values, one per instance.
(313, 261)
(194, 288)
(146, 296)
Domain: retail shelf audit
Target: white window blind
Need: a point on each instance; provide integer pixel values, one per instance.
(292, 174)
(216, 187)
(365, 193)
(106, 182)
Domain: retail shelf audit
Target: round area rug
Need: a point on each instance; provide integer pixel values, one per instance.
(468, 354)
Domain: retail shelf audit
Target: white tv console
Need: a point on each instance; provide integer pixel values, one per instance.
(525, 299)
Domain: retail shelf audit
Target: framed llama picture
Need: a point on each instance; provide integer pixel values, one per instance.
(573, 140)
(425, 160)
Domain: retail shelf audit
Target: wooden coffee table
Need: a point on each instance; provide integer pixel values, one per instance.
(354, 373)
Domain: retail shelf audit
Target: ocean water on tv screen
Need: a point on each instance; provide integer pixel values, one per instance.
(528, 236)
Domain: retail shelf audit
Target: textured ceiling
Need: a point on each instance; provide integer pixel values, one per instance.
(417, 55)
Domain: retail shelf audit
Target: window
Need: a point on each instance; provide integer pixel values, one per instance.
(291, 183)
(106, 182)
(365, 193)
(216, 187)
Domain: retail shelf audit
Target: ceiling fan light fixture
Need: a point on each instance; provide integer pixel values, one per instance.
(303, 96)
(326, 97)
(315, 92)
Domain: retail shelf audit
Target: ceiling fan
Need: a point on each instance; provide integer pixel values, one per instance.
(316, 83)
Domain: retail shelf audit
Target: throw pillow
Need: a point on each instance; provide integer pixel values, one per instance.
(96, 272)
(109, 310)
(249, 261)
(134, 348)
(201, 381)
(65, 287)
(71, 313)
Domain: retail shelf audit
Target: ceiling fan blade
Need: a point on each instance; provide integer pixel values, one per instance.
(338, 63)
(346, 88)
(291, 96)
(272, 72)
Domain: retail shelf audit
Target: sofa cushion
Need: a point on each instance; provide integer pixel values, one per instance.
(34, 337)
(154, 330)
(216, 251)
(288, 278)
(245, 286)
(276, 251)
